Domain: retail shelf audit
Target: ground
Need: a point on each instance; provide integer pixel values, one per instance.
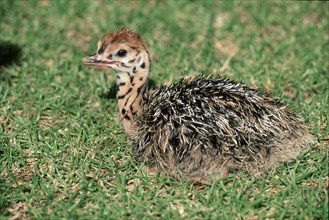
(65, 155)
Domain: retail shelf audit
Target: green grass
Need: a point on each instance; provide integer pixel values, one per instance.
(64, 154)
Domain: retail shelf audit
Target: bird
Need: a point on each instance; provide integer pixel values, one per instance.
(202, 127)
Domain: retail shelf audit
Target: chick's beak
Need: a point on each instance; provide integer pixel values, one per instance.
(95, 60)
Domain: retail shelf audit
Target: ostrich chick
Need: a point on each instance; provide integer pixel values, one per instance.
(201, 127)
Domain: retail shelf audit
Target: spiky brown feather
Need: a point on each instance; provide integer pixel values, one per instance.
(199, 125)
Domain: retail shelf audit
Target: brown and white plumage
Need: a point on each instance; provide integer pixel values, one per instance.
(200, 127)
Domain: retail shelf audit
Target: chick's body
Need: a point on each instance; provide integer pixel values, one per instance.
(202, 127)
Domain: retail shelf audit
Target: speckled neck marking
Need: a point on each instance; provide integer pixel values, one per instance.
(131, 86)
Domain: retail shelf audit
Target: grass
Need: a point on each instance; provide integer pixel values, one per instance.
(64, 154)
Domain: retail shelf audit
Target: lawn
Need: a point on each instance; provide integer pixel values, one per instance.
(63, 152)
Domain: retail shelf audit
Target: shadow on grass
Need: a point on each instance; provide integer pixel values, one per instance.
(9, 53)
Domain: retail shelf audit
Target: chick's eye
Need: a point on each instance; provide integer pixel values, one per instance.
(122, 53)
